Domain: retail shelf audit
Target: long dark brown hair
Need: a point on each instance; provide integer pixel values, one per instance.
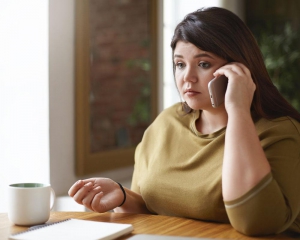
(221, 32)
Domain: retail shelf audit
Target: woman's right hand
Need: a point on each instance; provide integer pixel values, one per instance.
(97, 194)
(240, 88)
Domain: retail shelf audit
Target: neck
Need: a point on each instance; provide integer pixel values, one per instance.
(212, 121)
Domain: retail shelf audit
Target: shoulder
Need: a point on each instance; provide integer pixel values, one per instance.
(169, 119)
(156, 135)
(282, 124)
(294, 124)
(172, 114)
(278, 129)
(173, 110)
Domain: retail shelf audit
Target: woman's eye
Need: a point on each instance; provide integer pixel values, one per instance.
(204, 64)
(179, 65)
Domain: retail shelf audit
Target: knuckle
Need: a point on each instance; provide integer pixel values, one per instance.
(78, 200)
(94, 206)
(70, 193)
(85, 202)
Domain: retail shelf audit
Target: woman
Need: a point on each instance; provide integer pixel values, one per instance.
(236, 163)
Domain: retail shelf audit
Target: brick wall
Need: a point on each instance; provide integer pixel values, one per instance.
(120, 76)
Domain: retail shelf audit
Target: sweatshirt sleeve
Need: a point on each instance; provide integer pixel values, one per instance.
(273, 205)
(135, 175)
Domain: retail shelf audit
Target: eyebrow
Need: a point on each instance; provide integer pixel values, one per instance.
(196, 56)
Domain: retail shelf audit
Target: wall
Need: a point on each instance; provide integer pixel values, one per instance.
(61, 94)
(120, 68)
(24, 116)
(61, 100)
(37, 96)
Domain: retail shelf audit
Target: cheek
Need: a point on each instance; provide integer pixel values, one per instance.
(178, 81)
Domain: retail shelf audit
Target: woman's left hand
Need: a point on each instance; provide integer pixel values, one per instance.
(240, 88)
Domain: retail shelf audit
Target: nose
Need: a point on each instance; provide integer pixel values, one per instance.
(190, 75)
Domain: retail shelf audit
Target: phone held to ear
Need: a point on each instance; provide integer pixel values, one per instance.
(217, 88)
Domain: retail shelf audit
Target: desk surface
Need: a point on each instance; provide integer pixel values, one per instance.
(147, 224)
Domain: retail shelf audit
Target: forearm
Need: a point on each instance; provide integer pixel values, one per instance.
(266, 210)
(134, 203)
(244, 163)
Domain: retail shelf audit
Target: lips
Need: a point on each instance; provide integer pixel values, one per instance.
(191, 92)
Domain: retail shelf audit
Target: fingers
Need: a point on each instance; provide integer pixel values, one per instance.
(97, 194)
(237, 73)
(85, 194)
(89, 198)
(231, 69)
(95, 206)
(82, 192)
(240, 88)
(76, 186)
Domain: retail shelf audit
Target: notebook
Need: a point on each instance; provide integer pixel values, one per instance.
(161, 237)
(75, 229)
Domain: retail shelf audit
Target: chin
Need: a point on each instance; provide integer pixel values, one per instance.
(199, 106)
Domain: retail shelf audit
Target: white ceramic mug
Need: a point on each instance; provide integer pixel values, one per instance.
(29, 203)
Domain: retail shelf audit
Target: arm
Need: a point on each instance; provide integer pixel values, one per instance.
(274, 203)
(134, 203)
(244, 163)
(258, 200)
(103, 194)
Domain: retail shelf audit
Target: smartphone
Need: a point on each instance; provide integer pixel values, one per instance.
(217, 88)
